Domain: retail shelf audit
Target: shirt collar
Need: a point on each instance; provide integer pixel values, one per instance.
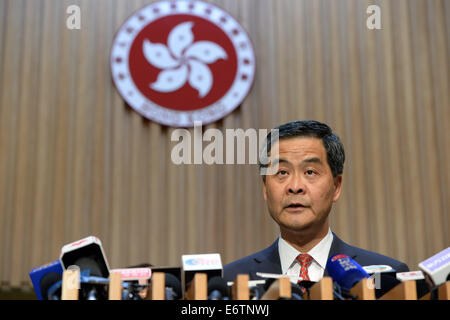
(319, 253)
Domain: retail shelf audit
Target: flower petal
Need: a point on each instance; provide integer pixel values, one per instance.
(200, 77)
(170, 80)
(206, 51)
(180, 37)
(158, 55)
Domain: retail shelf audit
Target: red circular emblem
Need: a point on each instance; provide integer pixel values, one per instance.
(176, 62)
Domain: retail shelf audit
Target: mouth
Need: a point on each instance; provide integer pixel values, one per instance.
(295, 205)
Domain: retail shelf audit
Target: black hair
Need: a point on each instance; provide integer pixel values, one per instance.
(311, 128)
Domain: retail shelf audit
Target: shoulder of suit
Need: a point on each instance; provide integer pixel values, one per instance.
(255, 257)
(366, 257)
(240, 266)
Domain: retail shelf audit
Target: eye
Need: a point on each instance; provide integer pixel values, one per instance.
(310, 172)
(282, 172)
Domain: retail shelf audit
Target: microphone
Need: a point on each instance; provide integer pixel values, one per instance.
(418, 276)
(175, 271)
(345, 273)
(87, 254)
(437, 268)
(134, 282)
(165, 284)
(85, 263)
(172, 287)
(256, 292)
(378, 268)
(44, 278)
(268, 283)
(256, 289)
(93, 287)
(306, 285)
(296, 292)
(218, 289)
(210, 264)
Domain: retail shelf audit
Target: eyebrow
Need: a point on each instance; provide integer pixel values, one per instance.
(277, 161)
(312, 160)
(307, 160)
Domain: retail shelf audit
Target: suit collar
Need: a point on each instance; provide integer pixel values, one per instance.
(268, 260)
(339, 247)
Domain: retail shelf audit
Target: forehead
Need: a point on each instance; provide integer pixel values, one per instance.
(300, 147)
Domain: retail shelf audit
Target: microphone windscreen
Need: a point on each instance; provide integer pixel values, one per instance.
(256, 292)
(345, 271)
(295, 288)
(90, 264)
(219, 284)
(306, 284)
(268, 283)
(47, 281)
(174, 283)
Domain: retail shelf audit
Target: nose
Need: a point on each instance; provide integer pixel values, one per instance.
(296, 185)
(295, 191)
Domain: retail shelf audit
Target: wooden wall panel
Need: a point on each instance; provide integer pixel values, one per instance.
(76, 161)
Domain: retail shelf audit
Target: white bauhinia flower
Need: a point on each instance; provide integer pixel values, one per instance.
(183, 60)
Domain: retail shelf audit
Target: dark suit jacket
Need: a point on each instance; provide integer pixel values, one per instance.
(268, 260)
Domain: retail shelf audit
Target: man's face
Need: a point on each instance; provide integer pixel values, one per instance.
(301, 193)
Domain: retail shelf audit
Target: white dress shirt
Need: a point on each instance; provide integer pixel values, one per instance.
(291, 267)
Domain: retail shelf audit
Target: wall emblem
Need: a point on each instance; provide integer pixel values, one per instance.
(176, 62)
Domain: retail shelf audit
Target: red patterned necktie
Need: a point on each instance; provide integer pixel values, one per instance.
(305, 260)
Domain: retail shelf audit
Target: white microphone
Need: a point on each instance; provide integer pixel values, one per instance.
(410, 275)
(211, 264)
(437, 268)
(378, 268)
(86, 253)
(134, 274)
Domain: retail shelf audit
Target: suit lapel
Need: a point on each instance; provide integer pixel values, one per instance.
(267, 260)
(339, 247)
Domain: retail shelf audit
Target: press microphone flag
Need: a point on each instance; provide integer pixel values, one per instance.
(44, 277)
(345, 271)
(378, 268)
(133, 274)
(410, 275)
(87, 254)
(218, 289)
(437, 268)
(211, 264)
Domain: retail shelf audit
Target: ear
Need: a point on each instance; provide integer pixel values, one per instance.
(264, 179)
(337, 187)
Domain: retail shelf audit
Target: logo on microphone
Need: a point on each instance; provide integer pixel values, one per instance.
(176, 62)
(202, 262)
(338, 256)
(209, 261)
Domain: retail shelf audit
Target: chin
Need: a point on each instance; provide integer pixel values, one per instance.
(296, 225)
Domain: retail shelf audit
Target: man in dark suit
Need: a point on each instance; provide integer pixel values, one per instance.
(301, 181)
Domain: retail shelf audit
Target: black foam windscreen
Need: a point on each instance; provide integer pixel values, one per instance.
(217, 284)
(91, 264)
(95, 260)
(268, 283)
(174, 283)
(47, 281)
(306, 284)
(295, 288)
